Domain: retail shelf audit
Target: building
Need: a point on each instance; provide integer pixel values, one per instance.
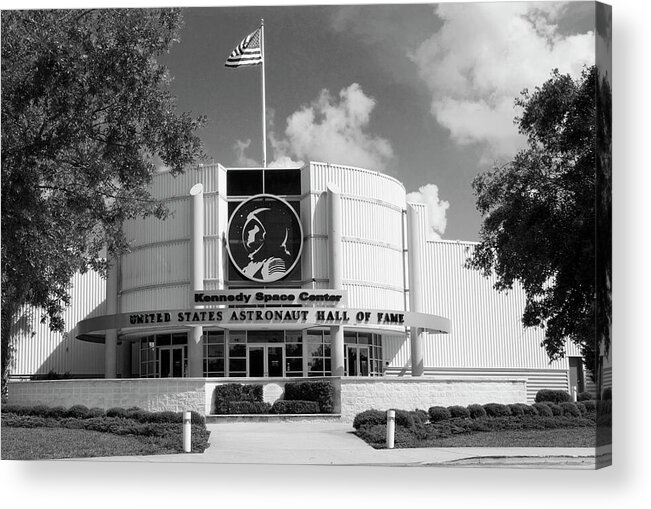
(276, 274)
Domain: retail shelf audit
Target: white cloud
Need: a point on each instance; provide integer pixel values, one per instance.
(242, 159)
(436, 208)
(484, 55)
(334, 131)
(285, 162)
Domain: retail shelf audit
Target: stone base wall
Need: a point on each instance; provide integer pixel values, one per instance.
(352, 395)
(153, 394)
(359, 394)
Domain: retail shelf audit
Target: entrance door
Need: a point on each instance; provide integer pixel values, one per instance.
(171, 363)
(357, 360)
(265, 360)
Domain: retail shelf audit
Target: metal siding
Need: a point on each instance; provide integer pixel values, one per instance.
(165, 186)
(320, 258)
(486, 324)
(61, 352)
(396, 351)
(156, 264)
(372, 244)
(357, 182)
(149, 299)
(150, 230)
(213, 260)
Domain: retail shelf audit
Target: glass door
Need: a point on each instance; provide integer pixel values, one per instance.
(256, 360)
(265, 360)
(171, 362)
(357, 360)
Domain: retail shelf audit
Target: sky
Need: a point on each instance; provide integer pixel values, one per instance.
(422, 92)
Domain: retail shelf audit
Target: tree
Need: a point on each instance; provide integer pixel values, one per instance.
(86, 115)
(539, 220)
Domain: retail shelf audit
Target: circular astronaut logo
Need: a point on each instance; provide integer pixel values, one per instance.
(265, 238)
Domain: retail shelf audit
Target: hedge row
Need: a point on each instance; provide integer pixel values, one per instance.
(320, 391)
(295, 407)
(404, 418)
(375, 433)
(170, 433)
(83, 412)
(309, 397)
(435, 414)
(226, 394)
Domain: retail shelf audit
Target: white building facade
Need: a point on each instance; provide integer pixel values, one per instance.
(402, 306)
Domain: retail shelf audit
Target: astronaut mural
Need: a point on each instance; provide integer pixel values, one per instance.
(264, 238)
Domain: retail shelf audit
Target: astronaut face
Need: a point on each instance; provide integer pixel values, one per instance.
(254, 232)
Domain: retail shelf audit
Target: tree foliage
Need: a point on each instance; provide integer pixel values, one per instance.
(539, 220)
(86, 115)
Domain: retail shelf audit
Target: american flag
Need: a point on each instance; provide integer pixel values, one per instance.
(248, 52)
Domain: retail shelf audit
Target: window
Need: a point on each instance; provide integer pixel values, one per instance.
(150, 355)
(237, 354)
(293, 353)
(317, 353)
(244, 182)
(374, 342)
(148, 367)
(282, 182)
(213, 353)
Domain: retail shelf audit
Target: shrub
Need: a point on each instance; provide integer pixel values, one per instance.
(581, 408)
(78, 412)
(527, 409)
(459, 411)
(295, 407)
(13, 409)
(543, 410)
(58, 412)
(249, 407)
(590, 405)
(96, 412)
(476, 411)
(569, 409)
(607, 394)
(556, 410)
(138, 414)
(420, 416)
(516, 409)
(226, 393)
(38, 411)
(197, 418)
(553, 396)
(321, 391)
(496, 410)
(252, 392)
(166, 417)
(117, 412)
(439, 413)
(405, 419)
(584, 396)
(369, 418)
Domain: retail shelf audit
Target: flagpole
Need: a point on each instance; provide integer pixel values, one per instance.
(264, 112)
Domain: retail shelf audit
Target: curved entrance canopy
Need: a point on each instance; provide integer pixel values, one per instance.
(288, 318)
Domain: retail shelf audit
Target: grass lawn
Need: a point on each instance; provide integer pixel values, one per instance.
(563, 437)
(52, 443)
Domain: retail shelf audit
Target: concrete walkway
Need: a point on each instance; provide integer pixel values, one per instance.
(289, 443)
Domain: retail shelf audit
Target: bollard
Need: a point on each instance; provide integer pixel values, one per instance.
(187, 431)
(391, 428)
(574, 393)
